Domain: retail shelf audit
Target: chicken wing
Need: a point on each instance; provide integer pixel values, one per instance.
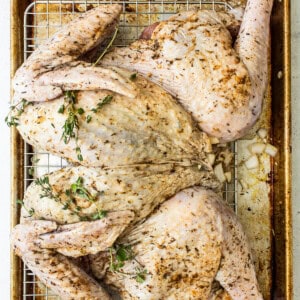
(191, 55)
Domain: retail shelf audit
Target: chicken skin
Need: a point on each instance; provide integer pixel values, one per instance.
(100, 117)
(192, 241)
(191, 55)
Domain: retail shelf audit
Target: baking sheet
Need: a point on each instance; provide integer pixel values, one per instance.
(253, 206)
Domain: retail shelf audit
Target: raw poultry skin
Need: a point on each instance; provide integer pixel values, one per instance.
(141, 124)
(128, 195)
(191, 55)
(150, 128)
(190, 242)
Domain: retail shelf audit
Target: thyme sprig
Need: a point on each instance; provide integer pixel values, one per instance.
(107, 47)
(103, 102)
(29, 211)
(71, 125)
(47, 191)
(76, 189)
(119, 254)
(79, 190)
(12, 119)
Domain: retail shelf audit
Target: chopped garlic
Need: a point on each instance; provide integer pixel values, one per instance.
(214, 140)
(257, 148)
(228, 176)
(211, 158)
(262, 133)
(219, 172)
(252, 162)
(271, 150)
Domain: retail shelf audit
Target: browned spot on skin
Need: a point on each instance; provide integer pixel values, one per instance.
(147, 32)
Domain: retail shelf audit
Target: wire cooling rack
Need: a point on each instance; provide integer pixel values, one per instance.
(41, 20)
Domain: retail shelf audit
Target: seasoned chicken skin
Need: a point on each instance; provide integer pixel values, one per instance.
(192, 57)
(139, 189)
(116, 117)
(123, 196)
(191, 242)
(67, 45)
(150, 128)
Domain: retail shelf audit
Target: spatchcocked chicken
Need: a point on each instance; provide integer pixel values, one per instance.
(138, 148)
(191, 242)
(192, 57)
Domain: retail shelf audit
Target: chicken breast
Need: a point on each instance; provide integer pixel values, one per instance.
(139, 189)
(191, 55)
(113, 130)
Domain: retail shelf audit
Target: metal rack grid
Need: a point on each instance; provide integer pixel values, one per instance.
(41, 19)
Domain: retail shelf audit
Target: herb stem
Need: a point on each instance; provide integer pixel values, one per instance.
(108, 46)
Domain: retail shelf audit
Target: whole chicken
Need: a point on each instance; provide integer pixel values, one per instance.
(191, 243)
(100, 117)
(191, 55)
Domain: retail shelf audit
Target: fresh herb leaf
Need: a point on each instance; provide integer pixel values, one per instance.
(119, 254)
(31, 171)
(11, 121)
(99, 215)
(78, 189)
(66, 205)
(124, 252)
(29, 211)
(133, 76)
(80, 110)
(103, 102)
(12, 118)
(71, 96)
(88, 118)
(79, 155)
(71, 125)
(108, 46)
(61, 109)
(46, 188)
(141, 275)
(115, 267)
(34, 160)
(21, 202)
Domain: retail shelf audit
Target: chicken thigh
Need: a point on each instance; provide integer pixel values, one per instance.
(192, 57)
(188, 244)
(190, 241)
